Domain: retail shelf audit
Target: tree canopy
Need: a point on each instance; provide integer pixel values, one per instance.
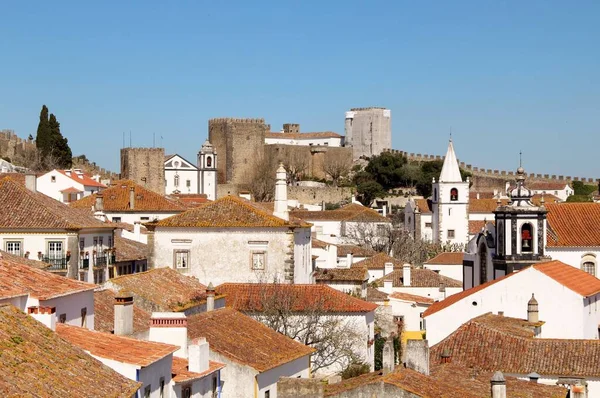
(50, 142)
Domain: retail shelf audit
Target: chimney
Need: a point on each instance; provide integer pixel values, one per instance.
(210, 297)
(323, 206)
(533, 377)
(123, 313)
(280, 209)
(388, 268)
(445, 357)
(498, 384)
(388, 285)
(170, 328)
(45, 315)
(384, 210)
(31, 181)
(137, 230)
(198, 353)
(532, 310)
(406, 275)
(500, 313)
(131, 198)
(388, 355)
(99, 204)
(348, 260)
(417, 356)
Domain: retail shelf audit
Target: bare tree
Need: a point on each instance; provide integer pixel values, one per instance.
(308, 321)
(262, 179)
(295, 161)
(32, 159)
(337, 165)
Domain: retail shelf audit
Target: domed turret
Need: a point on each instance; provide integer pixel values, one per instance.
(520, 195)
(532, 310)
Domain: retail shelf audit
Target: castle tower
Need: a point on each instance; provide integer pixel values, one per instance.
(450, 201)
(207, 170)
(144, 166)
(368, 131)
(240, 144)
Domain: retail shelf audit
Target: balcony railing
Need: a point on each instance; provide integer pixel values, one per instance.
(56, 263)
(85, 263)
(100, 261)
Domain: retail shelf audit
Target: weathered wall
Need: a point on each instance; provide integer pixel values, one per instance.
(316, 195)
(368, 131)
(11, 145)
(311, 156)
(299, 388)
(144, 166)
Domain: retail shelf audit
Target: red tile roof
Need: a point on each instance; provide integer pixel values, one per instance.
(249, 297)
(305, 136)
(23, 260)
(412, 297)
(357, 251)
(419, 277)
(181, 373)
(482, 195)
(81, 178)
(104, 313)
(349, 213)
(378, 262)
(485, 344)
(190, 200)
(71, 190)
(376, 295)
(36, 362)
(118, 348)
(324, 275)
(447, 258)
(319, 244)
(226, 212)
(476, 226)
(572, 278)
(547, 186)
(425, 206)
(16, 276)
(17, 177)
(245, 340)
(573, 224)
(24, 209)
(116, 199)
(129, 250)
(485, 205)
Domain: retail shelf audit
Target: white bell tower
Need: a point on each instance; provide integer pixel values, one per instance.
(450, 202)
(207, 170)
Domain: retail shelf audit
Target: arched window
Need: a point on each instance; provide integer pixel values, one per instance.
(176, 180)
(588, 263)
(526, 238)
(208, 161)
(454, 194)
(482, 264)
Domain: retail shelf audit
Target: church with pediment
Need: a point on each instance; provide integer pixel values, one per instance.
(184, 177)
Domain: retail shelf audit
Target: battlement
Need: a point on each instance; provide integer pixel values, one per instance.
(367, 108)
(236, 120)
(480, 171)
(142, 149)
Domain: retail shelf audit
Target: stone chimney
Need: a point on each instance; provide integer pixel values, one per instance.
(31, 181)
(45, 315)
(170, 328)
(198, 353)
(388, 268)
(445, 356)
(388, 355)
(498, 384)
(406, 275)
(210, 297)
(132, 198)
(123, 314)
(99, 204)
(532, 310)
(137, 230)
(388, 285)
(280, 209)
(417, 356)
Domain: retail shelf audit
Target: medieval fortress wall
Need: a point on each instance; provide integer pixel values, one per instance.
(11, 145)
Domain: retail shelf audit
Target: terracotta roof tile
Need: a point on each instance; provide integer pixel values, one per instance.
(419, 277)
(36, 361)
(352, 383)
(104, 313)
(482, 195)
(350, 213)
(118, 348)
(129, 250)
(573, 278)
(181, 373)
(412, 297)
(486, 345)
(227, 212)
(71, 190)
(38, 283)
(573, 224)
(162, 289)
(425, 206)
(447, 258)
(319, 244)
(245, 340)
(301, 136)
(485, 205)
(249, 297)
(547, 186)
(23, 209)
(378, 262)
(357, 251)
(190, 200)
(323, 275)
(376, 295)
(17, 177)
(476, 226)
(23, 260)
(116, 199)
(81, 178)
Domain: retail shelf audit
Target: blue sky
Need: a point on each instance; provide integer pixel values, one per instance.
(503, 75)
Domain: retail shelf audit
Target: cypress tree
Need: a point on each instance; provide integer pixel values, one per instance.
(59, 145)
(42, 139)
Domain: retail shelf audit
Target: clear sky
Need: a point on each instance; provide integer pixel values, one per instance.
(503, 75)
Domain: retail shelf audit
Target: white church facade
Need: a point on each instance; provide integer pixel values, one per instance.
(183, 177)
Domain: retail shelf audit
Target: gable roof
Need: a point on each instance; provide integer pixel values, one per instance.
(129, 250)
(226, 212)
(35, 360)
(549, 186)
(485, 205)
(476, 344)
(181, 372)
(412, 298)
(378, 262)
(20, 279)
(476, 226)
(447, 258)
(162, 289)
(116, 199)
(573, 224)
(376, 295)
(245, 340)
(25, 209)
(324, 275)
(190, 200)
(350, 213)
(81, 178)
(168, 158)
(118, 348)
(425, 206)
(250, 297)
(104, 313)
(419, 277)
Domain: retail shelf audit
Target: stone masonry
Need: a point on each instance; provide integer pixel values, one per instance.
(144, 166)
(368, 131)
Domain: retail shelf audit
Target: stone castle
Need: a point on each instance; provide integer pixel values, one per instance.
(368, 131)
(144, 166)
(12, 146)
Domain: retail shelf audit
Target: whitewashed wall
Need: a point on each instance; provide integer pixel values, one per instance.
(451, 271)
(410, 311)
(329, 141)
(71, 305)
(574, 255)
(132, 216)
(185, 175)
(267, 381)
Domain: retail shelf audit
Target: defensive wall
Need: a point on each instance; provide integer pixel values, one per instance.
(12, 145)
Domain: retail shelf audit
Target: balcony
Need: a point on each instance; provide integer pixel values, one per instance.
(100, 261)
(56, 262)
(85, 263)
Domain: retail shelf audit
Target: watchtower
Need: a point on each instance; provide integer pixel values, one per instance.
(144, 166)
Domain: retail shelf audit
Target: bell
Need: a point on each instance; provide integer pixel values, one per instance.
(526, 244)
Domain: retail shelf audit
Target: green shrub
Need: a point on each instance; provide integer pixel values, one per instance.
(355, 369)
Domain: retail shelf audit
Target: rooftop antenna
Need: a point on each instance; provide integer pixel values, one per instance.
(450, 133)
(123, 140)
(520, 158)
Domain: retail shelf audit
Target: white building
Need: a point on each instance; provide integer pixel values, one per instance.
(183, 177)
(417, 281)
(562, 190)
(68, 185)
(327, 138)
(567, 300)
(34, 226)
(408, 309)
(448, 264)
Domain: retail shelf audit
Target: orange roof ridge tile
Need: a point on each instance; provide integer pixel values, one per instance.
(572, 278)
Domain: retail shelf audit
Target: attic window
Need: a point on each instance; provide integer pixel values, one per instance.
(52, 178)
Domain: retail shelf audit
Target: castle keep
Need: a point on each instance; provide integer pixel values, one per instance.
(144, 166)
(368, 131)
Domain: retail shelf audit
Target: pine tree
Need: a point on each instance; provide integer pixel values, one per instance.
(42, 139)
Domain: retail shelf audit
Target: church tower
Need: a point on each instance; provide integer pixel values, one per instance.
(450, 201)
(207, 170)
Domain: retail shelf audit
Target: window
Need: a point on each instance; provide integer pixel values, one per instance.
(96, 243)
(208, 161)
(144, 218)
(116, 219)
(450, 212)
(215, 386)
(13, 247)
(53, 179)
(161, 387)
(526, 238)
(147, 391)
(258, 260)
(454, 194)
(319, 229)
(62, 318)
(450, 234)
(176, 180)
(589, 267)
(101, 242)
(427, 225)
(186, 392)
(181, 258)
(268, 394)
(188, 183)
(81, 244)
(84, 317)
(55, 250)
(381, 229)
